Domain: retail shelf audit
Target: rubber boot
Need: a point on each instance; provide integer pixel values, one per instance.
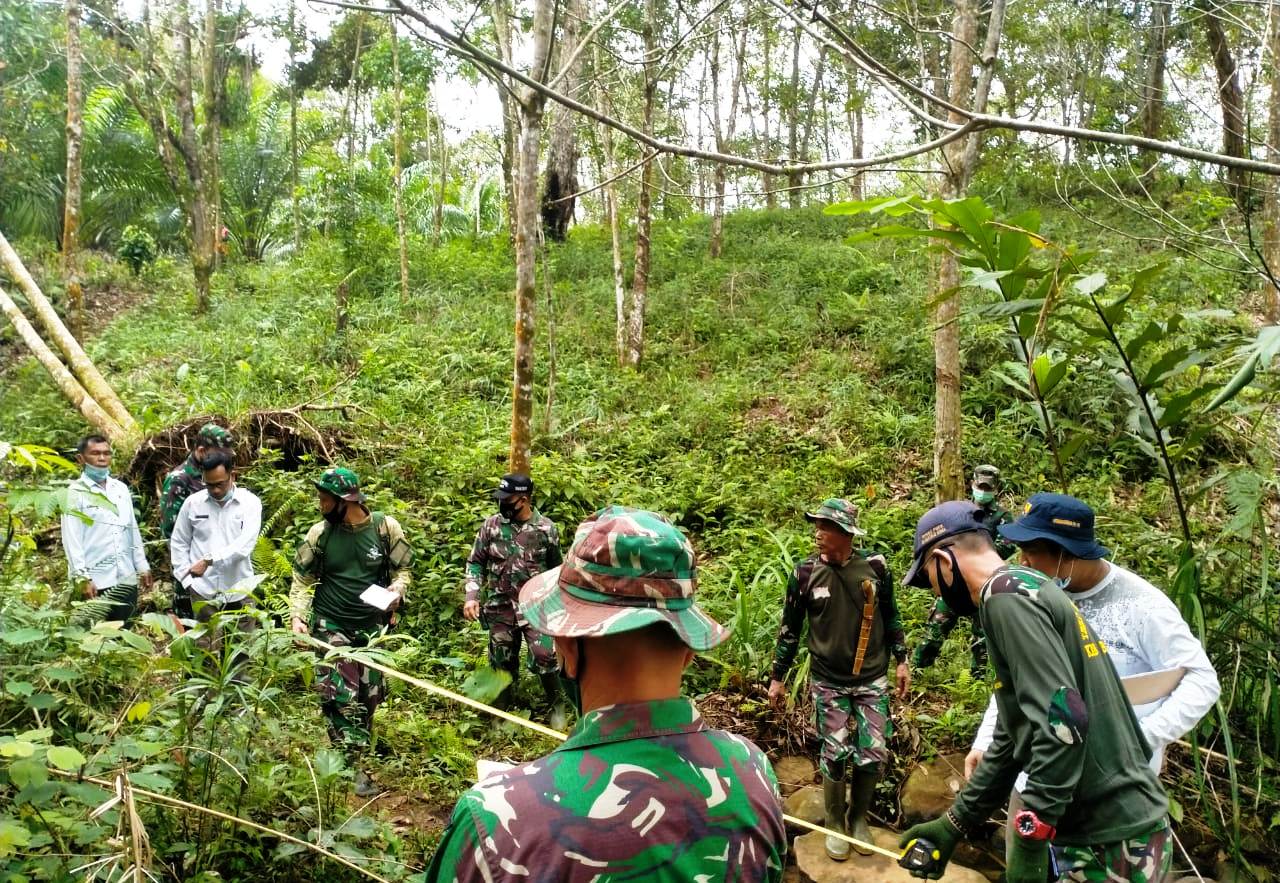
(551, 686)
(365, 786)
(862, 790)
(833, 796)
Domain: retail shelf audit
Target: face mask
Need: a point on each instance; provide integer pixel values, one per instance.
(982, 498)
(226, 498)
(335, 515)
(572, 686)
(509, 509)
(1063, 581)
(97, 473)
(955, 592)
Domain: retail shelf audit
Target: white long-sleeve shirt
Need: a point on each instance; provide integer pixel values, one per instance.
(224, 533)
(1144, 632)
(107, 547)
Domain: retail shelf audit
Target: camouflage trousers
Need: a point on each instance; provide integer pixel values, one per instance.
(1144, 859)
(941, 622)
(505, 632)
(349, 692)
(853, 723)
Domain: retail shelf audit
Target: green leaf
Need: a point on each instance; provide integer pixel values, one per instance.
(19, 688)
(17, 749)
(1261, 352)
(1071, 446)
(485, 684)
(64, 757)
(988, 280)
(137, 711)
(358, 827)
(1175, 810)
(972, 216)
(1154, 331)
(28, 771)
(1048, 373)
(1173, 363)
(13, 835)
(1087, 285)
(889, 205)
(20, 637)
(1007, 308)
(898, 231)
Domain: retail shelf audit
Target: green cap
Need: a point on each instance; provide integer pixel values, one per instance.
(342, 483)
(627, 569)
(841, 513)
(211, 435)
(987, 477)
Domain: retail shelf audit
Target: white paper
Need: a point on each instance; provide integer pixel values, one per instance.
(487, 768)
(377, 596)
(1152, 686)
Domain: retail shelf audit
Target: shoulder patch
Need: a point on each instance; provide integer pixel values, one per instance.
(1005, 584)
(1068, 716)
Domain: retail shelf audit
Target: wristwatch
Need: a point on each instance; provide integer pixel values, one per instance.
(1029, 827)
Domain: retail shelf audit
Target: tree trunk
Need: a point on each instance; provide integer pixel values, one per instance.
(724, 137)
(770, 195)
(293, 126)
(437, 223)
(1271, 196)
(510, 112)
(793, 120)
(397, 165)
(853, 112)
(948, 466)
(79, 361)
(1231, 97)
(640, 278)
(349, 103)
(562, 148)
(611, 212)
(213, 126)
(797, 179)
(71, 207)
(67, 384)
(531, 106)
(1153, 87)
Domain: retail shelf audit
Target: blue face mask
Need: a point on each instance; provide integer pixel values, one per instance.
(97, 474)
(226, 498)
(982, 498)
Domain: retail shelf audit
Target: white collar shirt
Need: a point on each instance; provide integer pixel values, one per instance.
(100, 533)
(223, 533)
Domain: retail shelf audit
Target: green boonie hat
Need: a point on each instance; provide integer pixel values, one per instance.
(214, 436)
(342, 483)
(987, 476)
(840, 512)
(627, 569)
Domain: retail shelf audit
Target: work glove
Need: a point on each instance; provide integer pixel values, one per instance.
(1028, 861)
(944, 836)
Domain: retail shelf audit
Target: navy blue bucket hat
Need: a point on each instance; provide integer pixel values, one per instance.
(1060, 519)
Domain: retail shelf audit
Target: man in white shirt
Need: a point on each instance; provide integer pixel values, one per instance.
(100, 534)
(1142, 629)
(211, 549)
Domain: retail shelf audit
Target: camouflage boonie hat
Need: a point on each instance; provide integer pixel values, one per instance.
(627, 569)
(987, 477)
(840, 512)
(211, 435)
(342, 483)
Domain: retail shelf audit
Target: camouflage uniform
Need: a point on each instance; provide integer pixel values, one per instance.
(853, 722)
(639, 791)
(505, 555)
(1144, 859)
(336, 564)
(943, 620)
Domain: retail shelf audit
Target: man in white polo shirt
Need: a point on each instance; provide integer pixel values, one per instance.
(211, 549)
(100, 534)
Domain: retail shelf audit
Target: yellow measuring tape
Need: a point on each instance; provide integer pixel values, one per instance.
(550, 733)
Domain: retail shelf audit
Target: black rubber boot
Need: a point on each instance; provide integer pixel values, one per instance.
(833, 796)
(862, 790)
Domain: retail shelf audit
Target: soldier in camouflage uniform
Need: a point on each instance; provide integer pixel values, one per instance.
(1091, 798)
(942, 619)
(511, 548)
(854, 628)
(342, 556)
(182, 481)
(642, 789)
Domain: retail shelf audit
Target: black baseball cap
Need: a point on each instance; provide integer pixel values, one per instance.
(942, 521)
(1058, 518)
(513, 484)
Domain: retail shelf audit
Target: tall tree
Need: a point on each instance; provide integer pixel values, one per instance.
(724, 132)
(397, 164)
(561, 176)
(71, 208)
(1230, 96)
(293, 125)
(959, 160)
(639, 294)
(531, 105)
(510, 109)
(1271, 195)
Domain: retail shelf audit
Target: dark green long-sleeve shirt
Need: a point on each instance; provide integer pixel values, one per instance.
(832, 600)
(1064, 718)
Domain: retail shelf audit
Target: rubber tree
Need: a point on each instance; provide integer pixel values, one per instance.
(71, 203)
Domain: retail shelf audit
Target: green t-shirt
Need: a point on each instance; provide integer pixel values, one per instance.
(345, 560)
(1064, 718)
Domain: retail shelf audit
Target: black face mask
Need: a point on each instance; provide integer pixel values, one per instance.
(509, 509)
(335, 515)
(572, 686)
(956, 592)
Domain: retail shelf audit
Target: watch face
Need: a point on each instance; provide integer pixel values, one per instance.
(1026, 822)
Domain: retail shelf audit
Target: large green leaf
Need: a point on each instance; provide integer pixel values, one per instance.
(899, 231)
(64, 757)
(1048, 373)
(1260, 354)
(889, 205)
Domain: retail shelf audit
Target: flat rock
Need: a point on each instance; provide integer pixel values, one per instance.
(794, 773)
(806, 804)
(815, 867)
(931, 788)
